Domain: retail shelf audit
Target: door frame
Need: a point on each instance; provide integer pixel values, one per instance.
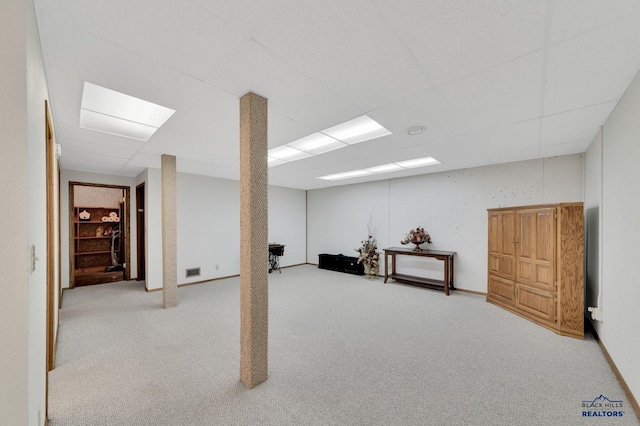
(141, 218)
(127, 227)
(52, 178)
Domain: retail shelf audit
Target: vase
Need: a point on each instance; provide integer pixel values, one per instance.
(417, 243)
(367, 269)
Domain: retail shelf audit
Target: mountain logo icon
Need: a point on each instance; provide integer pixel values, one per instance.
(600, 400)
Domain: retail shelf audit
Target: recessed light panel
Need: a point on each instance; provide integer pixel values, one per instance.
(357, 130)
(348, 133)
(287, 153)
(108, 111)
(417, 162)
(317, 143)
(384, 168)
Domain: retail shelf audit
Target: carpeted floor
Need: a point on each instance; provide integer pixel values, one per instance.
(343, 350)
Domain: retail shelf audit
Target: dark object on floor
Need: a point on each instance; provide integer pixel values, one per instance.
(275, 251)
(340, 263)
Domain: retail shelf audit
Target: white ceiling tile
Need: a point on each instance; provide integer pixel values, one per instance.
(448, 152)
(575, 147)
(348, 47)
(427, 109)
(94, 163)
(594, 67)
(572, 17)
(243, 15)
(505, 94)
(513, 156)
(289, 92)
(174, 33)
(514, 137)
(321, 64)
(574, 125)
(456, 38)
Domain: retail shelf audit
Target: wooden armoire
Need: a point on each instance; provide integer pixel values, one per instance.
(536, 262)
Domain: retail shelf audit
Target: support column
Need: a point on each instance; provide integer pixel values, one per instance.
(254, 243)
(169, 233)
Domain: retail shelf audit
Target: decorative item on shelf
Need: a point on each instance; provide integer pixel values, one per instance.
(84, 215)
(99, 231)
(417, 236)
(369, 254)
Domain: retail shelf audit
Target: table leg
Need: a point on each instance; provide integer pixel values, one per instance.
(446, 275)
(451, 273)
(386, 267)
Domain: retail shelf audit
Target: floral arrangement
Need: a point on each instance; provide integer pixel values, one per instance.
(417, 236)
(369, 255)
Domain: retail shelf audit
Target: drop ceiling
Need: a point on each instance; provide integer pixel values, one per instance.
(490, 81)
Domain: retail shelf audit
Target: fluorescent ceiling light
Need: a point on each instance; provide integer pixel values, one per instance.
(417, 162)
(350, 132)
(337, 176)
(317, 143)
(345, 175)
(357, 130)
(384, 168)
(274, 161)
(115, 126)
(108, 111)
(287, 153)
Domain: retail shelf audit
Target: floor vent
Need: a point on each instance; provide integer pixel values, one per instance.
(192, 272)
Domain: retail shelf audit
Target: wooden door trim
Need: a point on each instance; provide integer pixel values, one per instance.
(127, 227)
(140, 234)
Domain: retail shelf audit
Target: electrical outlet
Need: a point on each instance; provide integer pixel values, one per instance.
(217, 267)
(596, 313)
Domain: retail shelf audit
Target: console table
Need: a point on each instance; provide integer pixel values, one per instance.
(445, 256)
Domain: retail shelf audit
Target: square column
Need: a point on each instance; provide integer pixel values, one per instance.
(169, 232)
(254, 240)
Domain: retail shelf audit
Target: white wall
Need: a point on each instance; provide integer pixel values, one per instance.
(14, 207)
(67, 176)
(451, 206)
(593, 218)
(24, 212)
(620, 234)
(209, 226)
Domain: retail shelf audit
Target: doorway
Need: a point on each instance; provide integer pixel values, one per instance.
(140, 231)
(99, 233)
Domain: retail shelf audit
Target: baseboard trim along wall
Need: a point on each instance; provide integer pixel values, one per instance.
(627, 391)
(213, 279)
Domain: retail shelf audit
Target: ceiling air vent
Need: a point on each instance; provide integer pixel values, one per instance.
(192, 272)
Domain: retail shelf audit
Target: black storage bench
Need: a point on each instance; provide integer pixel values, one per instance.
(340, 263)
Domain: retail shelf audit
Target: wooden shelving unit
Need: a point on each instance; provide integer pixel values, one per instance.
(92, 245)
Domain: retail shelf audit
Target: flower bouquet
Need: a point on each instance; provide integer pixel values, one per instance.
(417, 236)
(369, 256)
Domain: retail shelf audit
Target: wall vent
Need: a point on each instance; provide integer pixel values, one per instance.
(192, 272)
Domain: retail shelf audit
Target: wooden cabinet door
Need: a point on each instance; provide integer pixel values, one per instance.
(501, 290)
(502, 244)
(536, 302)
(536, 247)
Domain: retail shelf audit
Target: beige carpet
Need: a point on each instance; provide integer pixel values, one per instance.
(343, 350)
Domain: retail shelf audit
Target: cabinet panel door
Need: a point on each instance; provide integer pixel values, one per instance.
(501, 290)
(501, 243)
(535, 247)
(536, 302)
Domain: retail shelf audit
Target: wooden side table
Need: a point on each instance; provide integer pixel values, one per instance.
(445, 256)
